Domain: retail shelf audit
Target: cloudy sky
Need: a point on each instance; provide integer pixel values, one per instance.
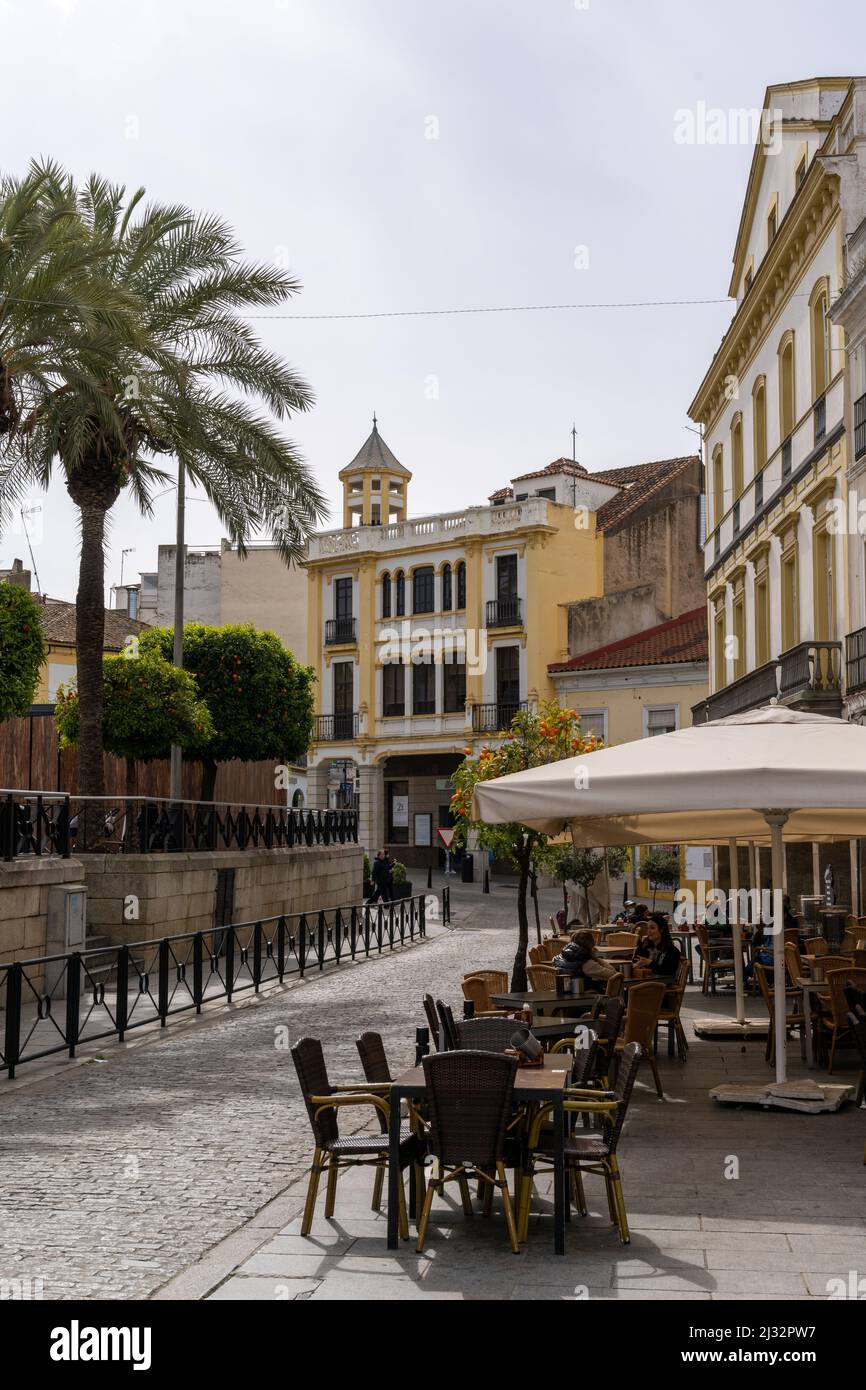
(459, 154)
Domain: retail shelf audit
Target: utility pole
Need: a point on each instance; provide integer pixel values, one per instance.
(176, 788)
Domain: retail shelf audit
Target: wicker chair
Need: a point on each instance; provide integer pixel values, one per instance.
(794, 962)
(541, 977)
(374, 1063)
(447, 1027)
(622, 938)
(817, 946)
(795, 1016)
(479, 985)
(717, 959)
(538, 954)
(432, 1020)
(606, 1017)
(592, 1151)
(857, 1024)
(641, 1022)
(470, 1096)
(613, 988)
(552, 945)
(492, 1034)
(670, 1011)
(333, 1152)
(837, 1024)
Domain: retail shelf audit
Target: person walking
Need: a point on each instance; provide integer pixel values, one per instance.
(382, 877)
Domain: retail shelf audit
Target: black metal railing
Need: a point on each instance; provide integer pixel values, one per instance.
(339, 630)
(786, 457)
(755, 688)
(860, 426)
(46, 823)
(819, 415)
(54, 1004)
(855, 660)
(504, 612)
(336, 726)
(491, 718)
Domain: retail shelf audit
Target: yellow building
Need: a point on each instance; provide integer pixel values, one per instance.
(58, 629)
(427, 634)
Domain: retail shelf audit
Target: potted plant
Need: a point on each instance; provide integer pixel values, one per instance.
(368, 879)
(401, 886)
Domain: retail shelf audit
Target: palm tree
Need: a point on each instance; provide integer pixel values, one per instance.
(53, 292)
(187, 378)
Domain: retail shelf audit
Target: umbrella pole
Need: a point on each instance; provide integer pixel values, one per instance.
(775, 820)
(736, 930)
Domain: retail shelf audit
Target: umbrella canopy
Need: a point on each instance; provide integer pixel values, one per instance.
(711, 782)
(776, 770)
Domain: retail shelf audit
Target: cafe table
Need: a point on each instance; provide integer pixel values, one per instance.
(541, 1085)
(544, 1000)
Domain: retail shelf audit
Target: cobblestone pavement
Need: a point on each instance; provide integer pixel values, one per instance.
(115, 1175)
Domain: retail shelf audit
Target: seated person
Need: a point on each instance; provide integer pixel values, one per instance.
(632, 915)
(658, 953)
(579, 958)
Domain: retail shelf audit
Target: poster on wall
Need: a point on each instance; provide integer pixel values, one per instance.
(400, 812)
(423, 829)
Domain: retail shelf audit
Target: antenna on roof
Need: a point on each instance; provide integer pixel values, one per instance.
(574, 461)
(25, 512)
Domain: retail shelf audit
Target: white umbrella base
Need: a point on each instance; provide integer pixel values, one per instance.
(805, 1096)
(730, 1028)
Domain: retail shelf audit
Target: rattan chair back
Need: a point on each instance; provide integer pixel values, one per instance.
(432, 1020)
(839, 981)
(541, 977)
(642, 1012)
(485, 1034)
(816, 946)
(626, 1077)
(309, 1063)
(491, 982)
(371, 1050)
(447, 1027)
(470, 1095)
(793, 962)
(622, 938)
(607, 1016)
(613, 988)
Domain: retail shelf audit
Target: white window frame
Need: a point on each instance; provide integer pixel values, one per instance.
(648, 709)
(594, 713)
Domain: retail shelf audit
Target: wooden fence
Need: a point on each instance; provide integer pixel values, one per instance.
(31, 758)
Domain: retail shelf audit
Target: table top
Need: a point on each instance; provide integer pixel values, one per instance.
(529, 1083)
(541, 997)
(611, 951)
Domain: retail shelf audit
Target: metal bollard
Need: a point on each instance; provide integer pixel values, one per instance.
(486, 888)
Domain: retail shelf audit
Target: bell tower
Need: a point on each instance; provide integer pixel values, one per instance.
(375, 485)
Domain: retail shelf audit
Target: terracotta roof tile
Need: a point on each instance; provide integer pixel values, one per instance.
(58, 625)
(678, 640)
(638, 484)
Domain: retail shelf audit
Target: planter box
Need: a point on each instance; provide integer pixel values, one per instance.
(401, 890)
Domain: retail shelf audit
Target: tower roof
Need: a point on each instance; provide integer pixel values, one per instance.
(374, 456)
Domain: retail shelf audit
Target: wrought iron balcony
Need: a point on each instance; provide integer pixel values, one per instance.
(786, 458)
(505, 612)
(755, 688)
(860, 426)
(339, 630)
(855, 660)
(330, 727)
(490, 719)
(820, 417)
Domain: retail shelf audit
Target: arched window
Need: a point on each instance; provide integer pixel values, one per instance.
(737, 457)
(446, 589)
(759, 423)
(718, 484)
(298, 798)
(400, 584)
(386, 595)
(461, 585)
(787, 404)
(820, 341)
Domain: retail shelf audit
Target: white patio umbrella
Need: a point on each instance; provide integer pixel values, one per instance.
(801, 776)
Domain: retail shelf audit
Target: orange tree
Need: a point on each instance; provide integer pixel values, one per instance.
(534, 739)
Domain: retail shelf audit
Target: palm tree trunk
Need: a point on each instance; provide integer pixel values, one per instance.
(90, 644)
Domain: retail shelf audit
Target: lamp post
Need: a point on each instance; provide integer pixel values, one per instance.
(176, 780)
